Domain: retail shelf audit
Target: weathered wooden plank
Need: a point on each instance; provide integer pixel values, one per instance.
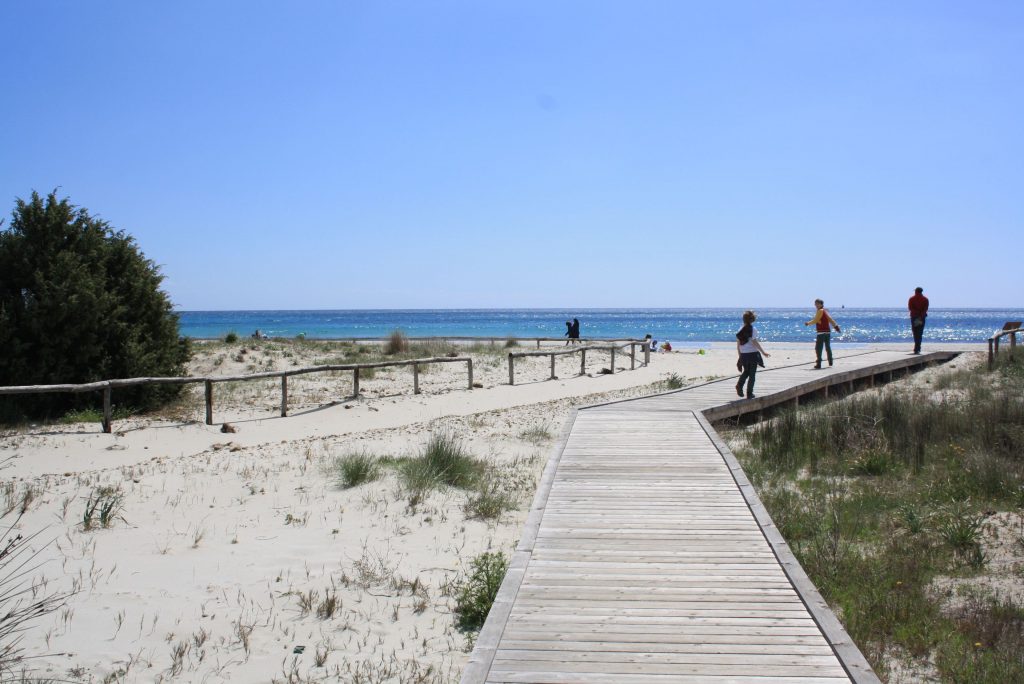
(647, 560)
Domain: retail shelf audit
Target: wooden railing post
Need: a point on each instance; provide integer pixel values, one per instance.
(613, 360)
(583, 361)
(552, 367)
(632, 356)
(355, 382)
(469, 371)
(107, 416)
(538, 343)
(647, 353)
(1013, 343)
(511, 370)
(284, 396)
(209, 402)
(415, 378)
(991, 354)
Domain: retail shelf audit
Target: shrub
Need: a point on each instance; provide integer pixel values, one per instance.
(511, 341)
(231, 337)
(397, 343)
(79, 302)
(475, 594)
(674, 382)
(356, 468)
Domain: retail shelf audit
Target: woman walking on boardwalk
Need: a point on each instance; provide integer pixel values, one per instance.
(749, 349)
(823, 324)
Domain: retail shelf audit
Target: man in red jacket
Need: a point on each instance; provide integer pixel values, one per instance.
(918, 306)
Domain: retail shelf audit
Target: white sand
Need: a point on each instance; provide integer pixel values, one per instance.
(200, 577)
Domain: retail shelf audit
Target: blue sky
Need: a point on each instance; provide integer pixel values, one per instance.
(532, 154)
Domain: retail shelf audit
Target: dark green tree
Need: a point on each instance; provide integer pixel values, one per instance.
(79, 302)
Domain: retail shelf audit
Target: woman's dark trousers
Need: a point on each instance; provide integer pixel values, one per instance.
(749, 361)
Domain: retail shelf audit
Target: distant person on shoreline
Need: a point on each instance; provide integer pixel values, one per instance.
(749, 349)
(918, 306)
(823, 324)
(568, 333)
(575, 330)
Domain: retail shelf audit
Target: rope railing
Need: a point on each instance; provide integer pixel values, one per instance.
(107, 386)
(582, 351)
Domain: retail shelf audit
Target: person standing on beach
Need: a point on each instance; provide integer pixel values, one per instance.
(568, 333)
(823, 324)
(749, 349)
(918, 306)
(575, 329)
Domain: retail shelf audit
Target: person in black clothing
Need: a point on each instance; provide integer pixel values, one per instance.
(575, 329)
(568, 333)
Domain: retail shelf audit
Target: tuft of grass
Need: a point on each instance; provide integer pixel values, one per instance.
(397, 343)
(536, 434)
(443, 462)
(231, 337)
(102, 506)
(489, 500)
(674, 382)
(445, 456)
(511, 341)
(475, 593)
(356, 468)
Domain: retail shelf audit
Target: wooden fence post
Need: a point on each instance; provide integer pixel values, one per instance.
(415, 378)
(355, 382)
(538, 343)
(284, 396)
(469, 371)
(632, 356)
(552, 367)
(209, 402)
(107, 417)
(991, 355)
(1013, 343)
(647, 353)
(583, 361)
(613, 360)
(511, 370)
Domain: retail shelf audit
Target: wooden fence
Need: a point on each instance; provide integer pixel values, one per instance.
(464, 338)
(107, 386)
(582, 351)
(993, 344)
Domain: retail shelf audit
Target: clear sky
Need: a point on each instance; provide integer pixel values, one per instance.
(311, 155)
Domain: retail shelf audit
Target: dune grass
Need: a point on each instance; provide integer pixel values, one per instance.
(880, 496)
(355, 468)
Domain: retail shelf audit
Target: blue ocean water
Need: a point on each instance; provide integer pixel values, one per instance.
(680, 326)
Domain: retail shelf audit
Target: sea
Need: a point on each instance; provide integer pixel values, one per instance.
(682, 327)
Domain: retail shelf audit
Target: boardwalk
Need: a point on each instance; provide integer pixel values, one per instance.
(647, 556)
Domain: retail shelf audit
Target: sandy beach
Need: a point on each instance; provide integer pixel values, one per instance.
(226, 544)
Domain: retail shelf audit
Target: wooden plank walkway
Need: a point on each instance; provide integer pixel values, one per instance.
(647, 556)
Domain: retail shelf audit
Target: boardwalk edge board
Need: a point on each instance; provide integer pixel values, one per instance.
(850, 657)
(482, 657)
(481, 666)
